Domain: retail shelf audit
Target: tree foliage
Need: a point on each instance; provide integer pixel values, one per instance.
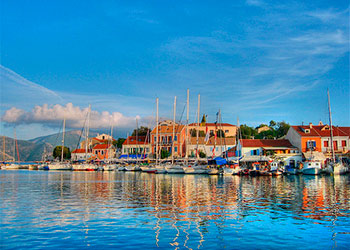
(164, 154)
(57, 151)
(202, 154)
(142, 131)
(119, 143)
(278, 130)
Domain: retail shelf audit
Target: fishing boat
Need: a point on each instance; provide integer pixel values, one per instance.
(312, 167)
(275, 169)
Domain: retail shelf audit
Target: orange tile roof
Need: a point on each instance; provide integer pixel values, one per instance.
(102, 146)
(167, 129)
(131, 140)
(322, 131)
(265, 143)
(78, 151)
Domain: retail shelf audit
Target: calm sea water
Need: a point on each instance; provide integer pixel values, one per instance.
(100, 210)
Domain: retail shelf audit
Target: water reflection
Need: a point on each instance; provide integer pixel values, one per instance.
(174, 211)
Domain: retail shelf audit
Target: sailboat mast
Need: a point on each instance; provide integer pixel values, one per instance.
(157, 121)
(187, 118)
(87, 133)
(62, 150)
(3, 148)
(199, 103)
(137, 140)
(174, 119)
(331, 126)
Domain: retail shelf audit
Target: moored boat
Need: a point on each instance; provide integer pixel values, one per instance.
(311, 167)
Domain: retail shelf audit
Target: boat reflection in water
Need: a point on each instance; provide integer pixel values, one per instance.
(139, 210)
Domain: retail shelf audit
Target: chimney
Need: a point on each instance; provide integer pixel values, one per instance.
(320, 123)
(310, 124)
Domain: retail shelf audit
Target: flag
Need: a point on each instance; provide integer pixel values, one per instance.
(207, 134)
(204, 120)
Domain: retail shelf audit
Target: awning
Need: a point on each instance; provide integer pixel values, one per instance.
(255, 158)
(314, 155)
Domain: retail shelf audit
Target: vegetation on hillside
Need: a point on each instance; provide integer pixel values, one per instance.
(277, 130)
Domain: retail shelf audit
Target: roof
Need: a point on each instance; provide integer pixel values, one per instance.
(78, 151)
(212, 125)
(219, 141)
(131, 140)
(321, 131)
(254, 143)
(102, 146)
(168, 129)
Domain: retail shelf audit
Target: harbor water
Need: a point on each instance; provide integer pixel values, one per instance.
(134, 210)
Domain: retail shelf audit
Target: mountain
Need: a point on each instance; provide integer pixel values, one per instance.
(33, 150)
(27, 150)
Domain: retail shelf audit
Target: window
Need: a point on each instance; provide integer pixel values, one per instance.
(155, 138)
(147, 150)
(226, 131)
(175, 138)
(343, 143)
(217, 149)
(325, 144)
(175, 149)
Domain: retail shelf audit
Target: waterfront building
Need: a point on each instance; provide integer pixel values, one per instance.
(212, 147)
(228, 129)
(99, 139)
(252, 150)
(317, 138)
(104, 151)
(165, 138)
(79, 154)
(131, 146)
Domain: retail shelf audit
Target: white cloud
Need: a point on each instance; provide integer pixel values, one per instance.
(75, 117)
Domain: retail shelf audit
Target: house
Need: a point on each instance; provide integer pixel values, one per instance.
(166, 131)
(251, 150)
(212, 147)
(99, 139)
(104, 151)
(79, 154)
(133, 146)
(318, 138)
(229, 129)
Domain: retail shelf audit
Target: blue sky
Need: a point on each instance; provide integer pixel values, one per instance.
(256, 60)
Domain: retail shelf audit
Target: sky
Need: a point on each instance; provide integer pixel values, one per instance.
(255, 60)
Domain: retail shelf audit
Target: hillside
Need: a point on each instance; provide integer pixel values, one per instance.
(33, 150)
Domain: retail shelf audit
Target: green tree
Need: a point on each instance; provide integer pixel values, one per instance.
(282, 129)
(119, 143)
(57, 151)
(248, 132)
(272, 124)
(142, 131)
(202, 154)
(164, 154)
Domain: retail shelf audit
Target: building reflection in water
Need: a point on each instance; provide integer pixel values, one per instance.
(185, 210)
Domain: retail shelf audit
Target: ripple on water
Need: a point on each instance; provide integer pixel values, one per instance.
(135, 210)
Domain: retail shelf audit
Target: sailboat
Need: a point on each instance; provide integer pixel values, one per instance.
(333, 166)
(195, 168)
(152, 168)
(61, 165)
(174, 168)
(15, 146)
